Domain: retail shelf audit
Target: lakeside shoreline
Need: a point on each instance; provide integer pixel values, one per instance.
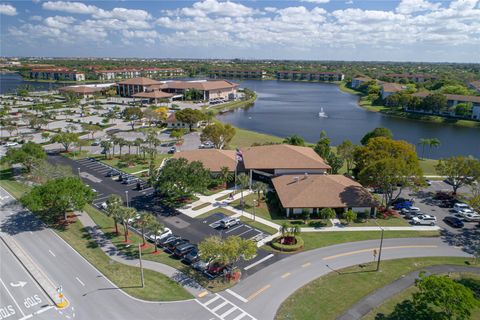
(406, 115)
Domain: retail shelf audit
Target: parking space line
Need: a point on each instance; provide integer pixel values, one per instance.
(259, 261)
(43, 310)
(51, 252)
(251, 229)
(11, 296)
(230, 230)
(240, 316)
(80, 281)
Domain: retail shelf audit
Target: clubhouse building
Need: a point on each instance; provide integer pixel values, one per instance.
(297, 174)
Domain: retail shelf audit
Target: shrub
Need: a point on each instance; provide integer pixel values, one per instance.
(288, 248)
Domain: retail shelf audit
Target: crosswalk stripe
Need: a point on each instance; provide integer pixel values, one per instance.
(228, 312)
(240, 316)
(211, 300)
(221, 305)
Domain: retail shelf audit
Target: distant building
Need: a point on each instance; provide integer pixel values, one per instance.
(454, 99)
(475, 85)
(129, 87)
(126, 73)
(57, 74)
(358, 81)
(173, 123)
(310, 76)
(390, 88)
(417, 78)
(237, 73)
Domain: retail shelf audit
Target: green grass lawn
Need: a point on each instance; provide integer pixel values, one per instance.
(389, 222)
(140, 164)
(331, 295)
(245, 138)
(314, 240)
(388, 306)
(203, 205)
(428, 167)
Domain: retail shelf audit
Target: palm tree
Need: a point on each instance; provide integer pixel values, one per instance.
(433, 143)
(156, 227)
(137, 143)
(295, 230)
(146, 219)
(225, 175)
(260, 188)
(243, 182)
(106, 145)
(284, 229)
(114, 205)
(129, 144)
(121, 143)
(423, 142)
(127, 214)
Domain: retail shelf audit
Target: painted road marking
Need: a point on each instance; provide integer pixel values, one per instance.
(371, 249)
(285, 275)
(83, 284)
(53, 254)
(306, 264)
(43, 310)
(236, 295)
(240, 316)
(258, 262)
(230, 230)
(11, 296)
(221, 305)
(211, 300)
(228, 312)
(202, 294)
(256, 293)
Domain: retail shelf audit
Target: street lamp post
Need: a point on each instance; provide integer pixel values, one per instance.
(381, 246)
(254, 205)
(126, 197)
(141, 266)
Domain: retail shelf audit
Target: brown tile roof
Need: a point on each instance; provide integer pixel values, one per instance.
(452, 97)
(392, 87)
(212, 159)
(310, 72)
(321, 191)
(406, 75)
(475, 84)
(81, 89)
(282, 156)
(201, 85)
(155, 94)
(141, 81)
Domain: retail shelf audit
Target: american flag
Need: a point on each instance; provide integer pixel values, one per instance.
(239, 155)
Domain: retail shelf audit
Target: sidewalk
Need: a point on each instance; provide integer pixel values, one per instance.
(110, 250)
(375, 299)
(337, 228)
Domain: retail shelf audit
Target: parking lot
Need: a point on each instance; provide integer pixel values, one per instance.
(94, 173)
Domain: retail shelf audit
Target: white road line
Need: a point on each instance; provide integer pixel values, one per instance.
(43, 310)
(15, 301)
(26, 317)
(53, 254)
(230, 230)
(245, 232)
(240, 316)
(243, 311)
(83, 284)
(221, 305)
(236, 295)
(211, 300)
(258, 262)
(228, 312)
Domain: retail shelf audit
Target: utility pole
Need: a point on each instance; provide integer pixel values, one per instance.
(126, 196)
(141, 266)
(254, 205)
(380, 251)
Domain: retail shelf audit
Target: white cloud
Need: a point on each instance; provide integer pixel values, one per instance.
(59, 22)
(316, 1)
(36, 18)
(8, 10)
(227, 8)
(412, 6)
(70, 7)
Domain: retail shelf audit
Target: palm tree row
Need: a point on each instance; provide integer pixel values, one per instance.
(430, 142)
(127, 215)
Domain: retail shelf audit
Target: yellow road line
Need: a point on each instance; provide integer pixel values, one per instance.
(256, 293)
(202, 294)
(286, 275)
(371, 250)
(306, 264)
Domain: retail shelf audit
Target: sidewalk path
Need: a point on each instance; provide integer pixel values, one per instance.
(109, 248)
(374, 228)
(368, 303)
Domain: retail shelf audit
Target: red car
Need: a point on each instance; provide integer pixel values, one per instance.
(216, 268)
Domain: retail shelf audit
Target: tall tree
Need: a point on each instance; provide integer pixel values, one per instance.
(243, 181)
(260, 188)
(375, 133)
(66, 139)
(28, 155)
(54, 198)
(132, 114)
(346, 150)
(189, 116)
(146, 219)
(114, 207)
(106, 146)
(225, 175)
(126, 216)
(219, 134)
(459, 171)
(433, 143)
(156, 228)
(323, 149)
(423, 142)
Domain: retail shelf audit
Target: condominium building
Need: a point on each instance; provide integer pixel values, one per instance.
(238, 73)
(126, 73)
(310, 75)
(57, 74)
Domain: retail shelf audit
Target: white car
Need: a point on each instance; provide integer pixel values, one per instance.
(471, 217)
(166, 232)
(460, 206)
(411, 210)
(132, 220)
(425, 220)
(104, 205)
(11, 144)
(463, 212)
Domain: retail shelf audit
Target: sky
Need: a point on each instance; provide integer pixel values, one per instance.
(373, 30)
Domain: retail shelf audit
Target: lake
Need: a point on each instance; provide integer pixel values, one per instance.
(286, 108)
(9, 82)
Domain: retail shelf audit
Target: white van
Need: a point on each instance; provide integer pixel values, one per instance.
(457, 207)
(228, 222)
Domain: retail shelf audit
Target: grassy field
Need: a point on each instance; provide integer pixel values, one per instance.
(203, 205)
(321, 296)
(245, 138)
(388, 306)
(389, 222)
(314, 240)
(428, 167)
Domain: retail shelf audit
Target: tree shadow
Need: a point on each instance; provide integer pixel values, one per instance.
(408, 310)
(465, 239)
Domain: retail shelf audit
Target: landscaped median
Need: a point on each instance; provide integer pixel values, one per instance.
(321, 296)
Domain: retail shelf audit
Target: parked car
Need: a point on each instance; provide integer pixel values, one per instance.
(172, 150)
(412, 214)
(410, 210)
(11, 144)
(447, 203)
(399, 200)
(424, 220)
(166, 233)
(104, 205)
(96, 143)
(403, 205)
(192, 256)
(171, 246)
(471, 217)
(453, 221)
(163, 242)
(113, 173)
(457, 207)
(463, 212)
(182, 250)
(206, 145)
(129, 180)
(229, 222)
(216, 269)
(200, 265)
(134, 219)
(122, 176)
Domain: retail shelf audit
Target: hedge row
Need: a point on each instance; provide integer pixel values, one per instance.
(288, 248)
